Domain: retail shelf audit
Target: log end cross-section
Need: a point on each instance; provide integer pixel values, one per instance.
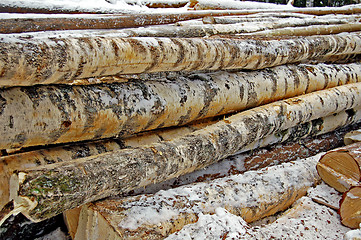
(350, 208)
(339, 170)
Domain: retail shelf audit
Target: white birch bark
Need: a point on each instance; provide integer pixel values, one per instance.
(73, 58)
(43, 192)
(50, 155)
(103, 111)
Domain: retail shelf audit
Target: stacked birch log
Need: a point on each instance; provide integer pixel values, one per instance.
(92, 116)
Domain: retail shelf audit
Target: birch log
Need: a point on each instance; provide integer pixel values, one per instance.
(103, 111)
(350, 207)
(41, 157)
(310, 30)
(43, 192)
(54, 60)
(264, 28)
(303, 140)
(274, 17)
(202, 30)
(252, 195)
(341, 168)
(48, 22)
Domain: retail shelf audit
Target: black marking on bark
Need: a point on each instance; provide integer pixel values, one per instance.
(252, 94)
(180, 51)
(2, 104)
(115, 47)
(186, 118)
(274, 78)
(19, 139)
(211, 90)
(350, 113)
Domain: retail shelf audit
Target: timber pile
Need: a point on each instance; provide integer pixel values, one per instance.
(106, 120)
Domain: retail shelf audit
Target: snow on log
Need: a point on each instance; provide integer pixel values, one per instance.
(350, 207)
(22, 161)
(252, 28)
(12, 23)
(159, 3)
(310, 30)
(103, 111)
(341, 168)
(303, 141)
(305, 220)
(46, 191)
(230, 4)
(252, 160)
(275, 17)
(259, 6)
(9, 6)
(26, 62)
(71, 7)
(252, 195)
(353, 234)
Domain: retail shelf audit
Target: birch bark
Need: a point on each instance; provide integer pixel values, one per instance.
(43, 192)
(75, 113)
(252, 195)
(58, 60)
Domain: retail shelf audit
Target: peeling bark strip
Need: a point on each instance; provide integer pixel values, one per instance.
(43, 192)
(252, 195)
(341, 168)
(75, 113)
(58, 60)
